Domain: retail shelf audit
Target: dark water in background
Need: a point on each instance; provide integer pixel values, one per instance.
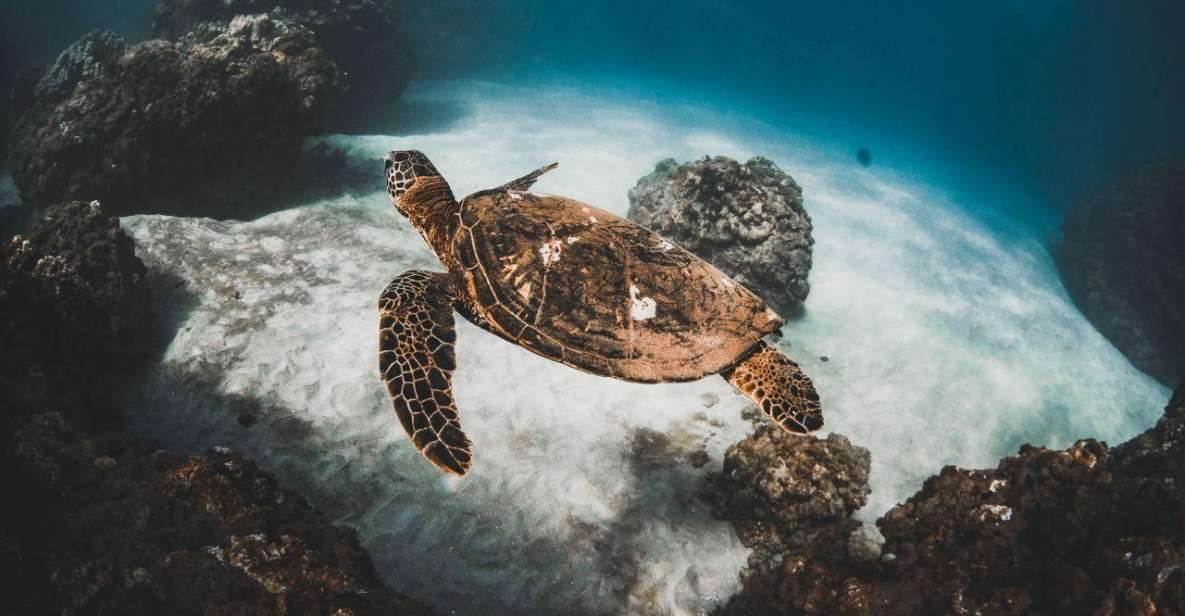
(1055, 96)
(1051, 93)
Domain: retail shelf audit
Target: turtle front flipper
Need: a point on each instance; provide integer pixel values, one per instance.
(779, 387)
(416, 361)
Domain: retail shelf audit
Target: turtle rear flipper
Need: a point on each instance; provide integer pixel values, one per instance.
(416, 361)
(779, 387)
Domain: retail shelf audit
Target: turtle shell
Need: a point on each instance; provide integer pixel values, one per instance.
(597, 292)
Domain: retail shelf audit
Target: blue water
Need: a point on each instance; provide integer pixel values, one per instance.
(950, 338)
(1052, 94)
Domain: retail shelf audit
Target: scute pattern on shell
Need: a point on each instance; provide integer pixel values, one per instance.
(594, 291)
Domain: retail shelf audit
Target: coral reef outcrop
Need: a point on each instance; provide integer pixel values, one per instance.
(1086, 530)
(206, 124)
(361, 37)
(72, 313)
(132, 529)
(97, 522)
(746, 219)
(1123, 261)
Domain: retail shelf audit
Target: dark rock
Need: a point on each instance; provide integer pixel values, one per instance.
(748, 220)
(5, 129)
(136, 530)
(1088, 530)
(791, 480)
(787, 495)
(96, 522)
(72, 312)
(206, 124)
(864, 156)
(1123, 262)
(362, 37)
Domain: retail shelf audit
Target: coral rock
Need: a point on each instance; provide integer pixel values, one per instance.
(357, 35)
(1123, 262)
(1086, 530)
(72, 309)
(748, 220)
(203, 125)
(865, 544)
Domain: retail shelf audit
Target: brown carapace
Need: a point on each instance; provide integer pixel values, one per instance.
(574, 284)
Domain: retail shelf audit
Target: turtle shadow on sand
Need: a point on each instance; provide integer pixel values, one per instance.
(667, 486)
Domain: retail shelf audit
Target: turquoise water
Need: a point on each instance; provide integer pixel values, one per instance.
(949, 336)
(1053, 96)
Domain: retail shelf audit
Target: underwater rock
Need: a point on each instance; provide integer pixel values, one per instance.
(111, 524)
(748, 220)
(782, 478)
(864, 156)
(1087, 530)
(211, 124)
(865, 543)
(73, 303)
(5, 130)
(359, 36)
(1123, 262)
(134, 529)
(786, 493)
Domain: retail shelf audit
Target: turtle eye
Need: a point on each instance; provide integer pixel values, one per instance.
(388, 164)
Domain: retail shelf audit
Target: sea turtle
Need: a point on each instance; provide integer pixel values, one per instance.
(574, 284)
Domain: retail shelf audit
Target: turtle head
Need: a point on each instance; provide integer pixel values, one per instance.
(406, 169)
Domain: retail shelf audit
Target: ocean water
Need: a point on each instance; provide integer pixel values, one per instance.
(949, 337)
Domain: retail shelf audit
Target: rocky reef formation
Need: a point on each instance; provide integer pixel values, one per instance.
(73, 305)
(361, 37)
(1123, 262)
(196, 125)
(748, 220)
(212, 120)
(131, 529)
(787, 495)
(101, 523)
(1087, 530)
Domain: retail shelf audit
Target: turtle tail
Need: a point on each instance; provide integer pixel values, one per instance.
(785, 394)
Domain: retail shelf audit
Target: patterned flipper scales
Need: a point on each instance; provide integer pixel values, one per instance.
(784, 393)
(416, 360)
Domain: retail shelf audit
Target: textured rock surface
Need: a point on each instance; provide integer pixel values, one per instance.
(1123, 262)
(132, 529)
(110, 524)
(212, 123)
(362, 37)
(1087, 530)
(788, 495)
(865, 543)
(748, 220)
(781, 478)
(72, 312)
